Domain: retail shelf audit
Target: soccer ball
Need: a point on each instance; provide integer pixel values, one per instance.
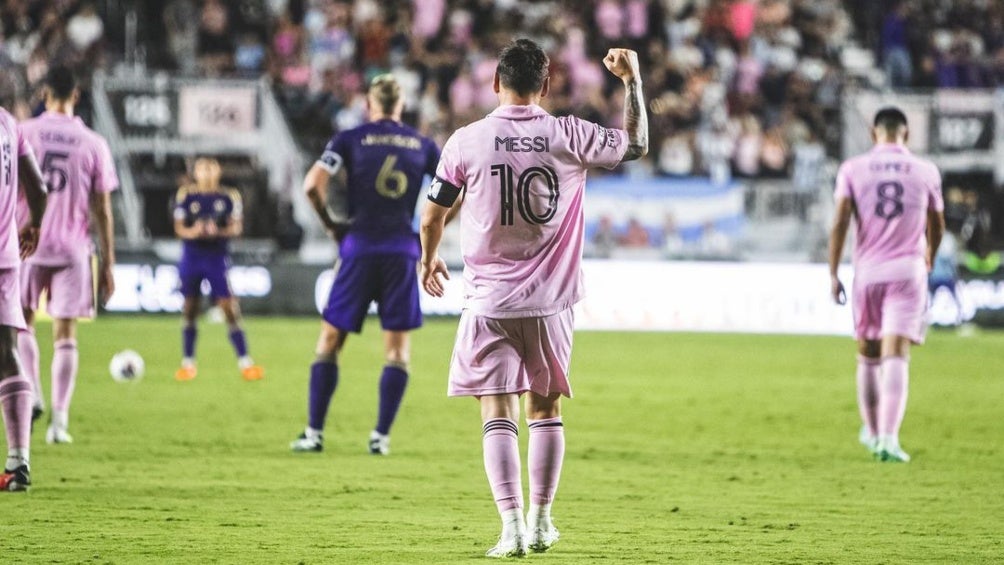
(126, 366)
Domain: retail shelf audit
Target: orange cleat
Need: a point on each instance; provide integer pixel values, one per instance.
(253, 373)
(185, 373)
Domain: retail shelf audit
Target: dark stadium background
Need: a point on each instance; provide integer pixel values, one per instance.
(753, 103)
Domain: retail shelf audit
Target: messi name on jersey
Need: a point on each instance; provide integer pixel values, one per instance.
(538, 144)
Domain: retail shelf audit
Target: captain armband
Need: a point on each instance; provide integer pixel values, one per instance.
(330, 162)
(443, 193)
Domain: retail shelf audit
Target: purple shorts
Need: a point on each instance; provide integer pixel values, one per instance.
(213, 268)
(891, 308)
(70, 288)
(11, 313)
(390, 280)
(511, 355)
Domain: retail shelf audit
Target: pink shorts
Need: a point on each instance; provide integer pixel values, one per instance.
(11, 313)
(891, 308)
(70, 288)
(511, 355)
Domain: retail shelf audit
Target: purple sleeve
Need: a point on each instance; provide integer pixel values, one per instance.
(843, 189)
(595, 145)
(451, 166)
(105, 179)
(334, 154)
(935, 200)
(432, 159)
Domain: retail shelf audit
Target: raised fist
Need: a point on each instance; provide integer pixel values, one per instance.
(623, 63)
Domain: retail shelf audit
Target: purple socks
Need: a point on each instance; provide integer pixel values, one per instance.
(393, 381)
(323, 381)
(188, 335)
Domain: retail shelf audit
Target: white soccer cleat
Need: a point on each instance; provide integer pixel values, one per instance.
(57, 435)
(889, 450)
(307, 443)
(379, 444)
(866, 439)
(509, 546)
(542, 538)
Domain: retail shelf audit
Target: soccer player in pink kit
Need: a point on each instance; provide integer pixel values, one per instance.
(17, 166)
(523, 172)
(78, 169)
(895, 198)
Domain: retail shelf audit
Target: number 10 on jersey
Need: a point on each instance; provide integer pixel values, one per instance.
(516, 189)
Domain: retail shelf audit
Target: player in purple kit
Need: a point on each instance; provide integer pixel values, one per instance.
(17, 167)
(895, 199)
(206, 217)
(80, 174)
(384, 162)
(524, 174)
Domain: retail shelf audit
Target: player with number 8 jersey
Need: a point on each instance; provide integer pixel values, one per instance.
(895, 198)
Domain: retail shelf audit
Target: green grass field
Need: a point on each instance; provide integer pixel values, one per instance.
(681, 448)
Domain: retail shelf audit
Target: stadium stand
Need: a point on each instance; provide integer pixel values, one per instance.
(739, 90)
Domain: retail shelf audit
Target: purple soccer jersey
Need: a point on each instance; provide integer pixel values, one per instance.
(75, 162)
(385, 162)
(13, 145)
(522, 226)
(892, 191)
(206, 259)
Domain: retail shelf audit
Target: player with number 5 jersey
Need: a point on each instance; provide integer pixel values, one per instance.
(895, 199)
(524, 173)
(78, 169)
(383, 164)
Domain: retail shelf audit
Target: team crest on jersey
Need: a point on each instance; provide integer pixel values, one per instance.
(194, 207)
(220, 206)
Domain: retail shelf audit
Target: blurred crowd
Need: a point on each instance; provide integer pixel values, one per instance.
(38, 34)
(936, 43)
(736, 87)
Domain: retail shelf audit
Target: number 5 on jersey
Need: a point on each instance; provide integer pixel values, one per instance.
(54, 169)
(520, 193)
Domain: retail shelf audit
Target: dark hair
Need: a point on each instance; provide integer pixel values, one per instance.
(61, 82)
(523, 67)
(890, 119)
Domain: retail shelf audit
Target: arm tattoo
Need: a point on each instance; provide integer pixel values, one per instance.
(635, 121)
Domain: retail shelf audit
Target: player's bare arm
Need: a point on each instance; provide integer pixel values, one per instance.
(315, 185)
(838, 234)
(30, 179)
(234, 228)
(935, 231)
(454, 210)
(432, 265)
(623, 63)
(194, 231)
(101, 211)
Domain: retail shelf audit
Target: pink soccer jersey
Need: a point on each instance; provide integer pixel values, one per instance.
(75, 162)
(12, 146)
(522, 226)
(892, 191)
